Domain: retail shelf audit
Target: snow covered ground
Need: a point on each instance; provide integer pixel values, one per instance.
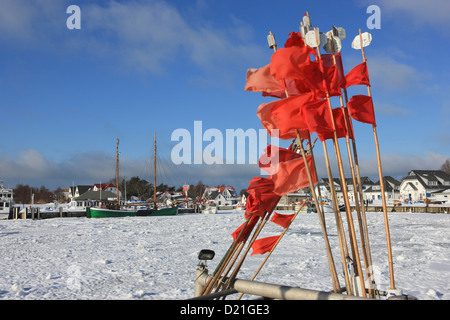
(156, 257)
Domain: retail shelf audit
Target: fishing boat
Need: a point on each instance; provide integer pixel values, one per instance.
(115, 210)
(6, 201)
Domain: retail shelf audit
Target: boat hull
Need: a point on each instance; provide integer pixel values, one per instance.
(108, 213)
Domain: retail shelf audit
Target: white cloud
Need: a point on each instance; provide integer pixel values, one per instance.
(139, 34)
(399, 165)
(433, 13)
(149, 34)
(388, 73)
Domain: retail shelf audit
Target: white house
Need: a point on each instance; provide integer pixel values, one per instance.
(421, 184)
(391, 190)
(106, 187)
(325, 190)
(221, 195)
(76, 191)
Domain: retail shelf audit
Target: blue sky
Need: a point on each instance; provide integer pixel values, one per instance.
(136, 67)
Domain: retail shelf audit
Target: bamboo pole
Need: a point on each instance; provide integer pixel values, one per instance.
(342, 178)
(274, 246)
(334, 277)
(357, 190)
(339, 225)
(212, 281)
(244, 255)
(354, 165)
(383, 196)
(117, 173)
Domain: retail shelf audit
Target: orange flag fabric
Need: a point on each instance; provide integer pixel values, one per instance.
(247, 227)
(287, 63)
(262, 190)
(292, 175)
(317, 116)
(357, 76)
(260, 80)
(341, 129)
(284, 115)
(361, 109)
(264, 245)
(282, 220)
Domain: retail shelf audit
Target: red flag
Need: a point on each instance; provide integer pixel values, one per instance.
(282, 219)
(361, 109)
(260, 80)
(332, 80)
(289, 85)
(262, 190)
(358, 75)
(264, 245)
(340, 125)
(253, 206)
(248, 229)
(273, 155)
(284, 115)
(317, 116)
(292, 175)
(286, 63)
(295, 40)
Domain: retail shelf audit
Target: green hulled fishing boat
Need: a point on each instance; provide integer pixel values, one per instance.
(115, 211)
(111, 213)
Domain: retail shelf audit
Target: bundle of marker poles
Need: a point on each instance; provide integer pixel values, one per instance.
(219, 280)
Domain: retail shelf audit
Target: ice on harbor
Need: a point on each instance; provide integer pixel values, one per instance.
(156, 257)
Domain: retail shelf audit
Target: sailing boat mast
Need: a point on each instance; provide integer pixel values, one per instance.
(154, 171)
(117, 171)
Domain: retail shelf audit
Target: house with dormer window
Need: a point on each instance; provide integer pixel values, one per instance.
(419, 185)
(391, 190)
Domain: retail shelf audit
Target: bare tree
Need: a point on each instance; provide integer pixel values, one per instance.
(446, 166)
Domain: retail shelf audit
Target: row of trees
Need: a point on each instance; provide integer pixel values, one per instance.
(27, 194)
(141, 188)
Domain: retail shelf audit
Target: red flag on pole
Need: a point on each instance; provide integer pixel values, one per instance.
(284, 115)
(262, 189)
(282, 219)
(341, 129)
(248, 227)
(264, 245)
(358, 75)
(317, 116)
(287, 63)
(361, 109)
(253, 206)
(272, 157)
(292, 175)
(295, 40)
(260, 80)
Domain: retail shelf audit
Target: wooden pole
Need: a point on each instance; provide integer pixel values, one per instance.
(225, 261)
(342, 178)
(117, 174)
(358, 204)
(154, 172)
(338, 218)
(383, 196)
(274, 246)
(356, 187)
(332, 266)
(334, 277)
